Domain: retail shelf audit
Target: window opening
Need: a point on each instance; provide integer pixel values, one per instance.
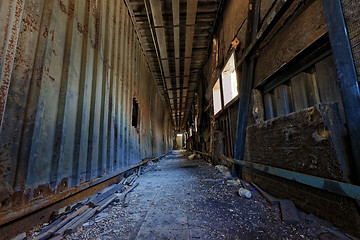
(217, 97)
(135, 114)
(314, 85)
(229, 80)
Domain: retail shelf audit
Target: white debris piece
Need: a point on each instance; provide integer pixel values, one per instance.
(192, 156)
(244, 193)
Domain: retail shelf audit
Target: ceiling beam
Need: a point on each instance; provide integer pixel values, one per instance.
(176, 21)
(175, 26)
(156, 12)
(190, 19)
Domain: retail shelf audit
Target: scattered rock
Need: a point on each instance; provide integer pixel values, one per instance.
(21, 236)
(86, 224)
(244, 193)
(224, 170)
(329, 236)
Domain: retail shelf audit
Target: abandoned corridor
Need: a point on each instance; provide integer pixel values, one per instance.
(92, 90)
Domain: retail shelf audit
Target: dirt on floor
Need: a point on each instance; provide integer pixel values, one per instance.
(178, 198)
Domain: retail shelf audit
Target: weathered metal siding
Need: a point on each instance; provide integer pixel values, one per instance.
(69, 72)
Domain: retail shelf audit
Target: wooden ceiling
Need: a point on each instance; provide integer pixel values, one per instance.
(175, 36)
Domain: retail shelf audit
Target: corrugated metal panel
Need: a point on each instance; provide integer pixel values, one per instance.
(69, 72)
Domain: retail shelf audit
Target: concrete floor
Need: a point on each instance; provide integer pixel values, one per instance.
(179, 198)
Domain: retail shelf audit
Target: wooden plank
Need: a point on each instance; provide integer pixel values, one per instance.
(328, 84)
(64, 228)
(312, 91)
(55, 228)
(299, 91)
(327, 80)
(269, 110)
(106, 203)
(45, 232)
(126, 200)
(279, 102)
(83, 218)
(133, 180)
(129, 190)
(270, 199)
(289, 212)
(106, 194)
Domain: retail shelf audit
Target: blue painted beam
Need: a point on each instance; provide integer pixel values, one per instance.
(336, 187)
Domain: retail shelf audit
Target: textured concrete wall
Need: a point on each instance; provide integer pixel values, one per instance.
(69, 72)
(310, 141)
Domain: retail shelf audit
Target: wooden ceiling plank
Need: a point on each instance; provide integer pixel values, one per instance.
(176, 21)
(156, 12)
(190, 19)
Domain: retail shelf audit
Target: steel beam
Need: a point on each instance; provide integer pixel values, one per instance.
(247, 80)
(346, 73)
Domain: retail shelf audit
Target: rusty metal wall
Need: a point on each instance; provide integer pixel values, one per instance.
(69, 72)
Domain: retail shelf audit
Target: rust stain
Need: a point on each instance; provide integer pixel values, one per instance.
(57, 141)
(80, 28)
(30, 24)
(52, 34)
(68, 11)
(63, 185)
(46, 32)
(9, 56)
(94, 40)
(43, 191)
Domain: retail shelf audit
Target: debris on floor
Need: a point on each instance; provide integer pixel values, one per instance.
(244, 193)
(178, 198)
(270, 199)
(192, 156)
(69, 218)
(224, 170)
